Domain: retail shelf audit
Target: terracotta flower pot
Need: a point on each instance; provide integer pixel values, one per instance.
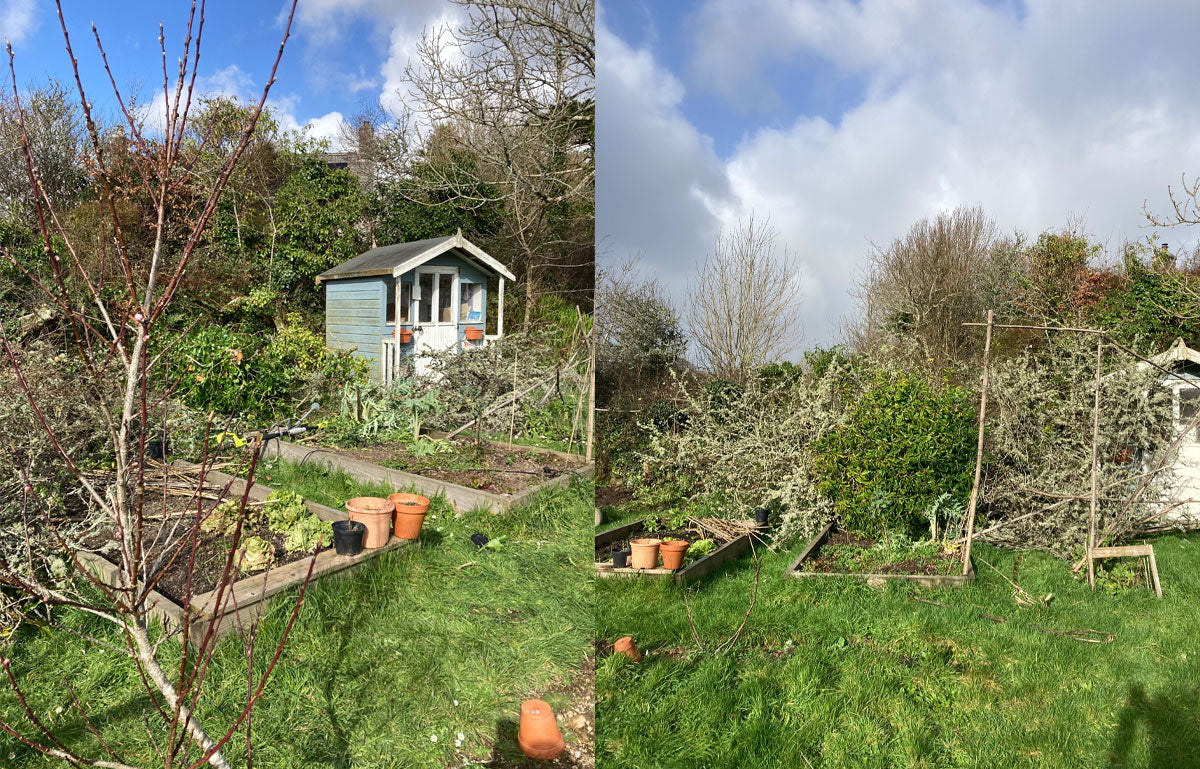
(538, 734)
(672, 553)
(376, 515)
(474, 333)
(627, 647)
(404, 335)
(410, 510)
(645, 553)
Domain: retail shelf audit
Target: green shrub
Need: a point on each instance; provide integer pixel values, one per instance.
(904, 443)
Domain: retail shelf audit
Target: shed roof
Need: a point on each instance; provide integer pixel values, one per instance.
(399, 258)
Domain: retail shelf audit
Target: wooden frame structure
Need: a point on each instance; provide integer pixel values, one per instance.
(1092, 551)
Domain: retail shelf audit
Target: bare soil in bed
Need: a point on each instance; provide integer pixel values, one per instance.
(211, 552)
(486, 468)
(845, 553)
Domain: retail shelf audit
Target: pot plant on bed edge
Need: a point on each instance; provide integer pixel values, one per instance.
(672, 551)
(348, 537)
(376, 514)
(410, 510)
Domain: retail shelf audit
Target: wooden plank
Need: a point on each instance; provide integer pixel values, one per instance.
(620, 532)
(722, 555)
(1122, 552)
(167, 611)
(812, 545)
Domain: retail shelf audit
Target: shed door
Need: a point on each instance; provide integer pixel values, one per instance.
(436, 323)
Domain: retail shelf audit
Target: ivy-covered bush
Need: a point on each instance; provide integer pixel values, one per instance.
(236, 373)
(903, 444)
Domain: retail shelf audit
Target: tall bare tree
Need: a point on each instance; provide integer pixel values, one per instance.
(505, 110)
(924, 285)
(108, 329)
(744, 303)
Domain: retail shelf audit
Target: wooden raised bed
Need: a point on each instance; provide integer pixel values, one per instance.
(875, 580)
(693, 571)
(460, 497)
(252, 594)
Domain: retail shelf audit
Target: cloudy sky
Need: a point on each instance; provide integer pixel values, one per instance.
(844, 122)
(343, 54)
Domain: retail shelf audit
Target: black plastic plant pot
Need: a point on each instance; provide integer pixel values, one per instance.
(158, 449)
(479, 540)
(760, 515)
(620, 559)
(348, 537)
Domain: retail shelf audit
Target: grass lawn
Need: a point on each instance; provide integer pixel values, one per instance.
(411, 645)
(832, 673)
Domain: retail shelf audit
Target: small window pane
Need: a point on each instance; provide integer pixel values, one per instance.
(1189, 401)
(405, 302)
(445, 297)
(471, 304)
(425, 305)
(391, 304)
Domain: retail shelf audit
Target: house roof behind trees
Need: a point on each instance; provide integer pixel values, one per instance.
(399, 258)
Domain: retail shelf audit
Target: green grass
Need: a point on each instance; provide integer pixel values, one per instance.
(406, 647)
(831, 673)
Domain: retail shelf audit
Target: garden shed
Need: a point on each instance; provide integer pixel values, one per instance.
(1183, 384)
(411, 298)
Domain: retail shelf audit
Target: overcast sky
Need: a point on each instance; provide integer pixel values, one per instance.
(343, 54)
(845, 122)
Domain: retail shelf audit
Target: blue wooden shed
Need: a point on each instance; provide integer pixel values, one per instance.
(409, 298)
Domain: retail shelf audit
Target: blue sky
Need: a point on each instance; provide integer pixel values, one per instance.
(342, 53)
(845, 121)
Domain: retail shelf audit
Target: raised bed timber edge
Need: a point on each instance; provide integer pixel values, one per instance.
(875, 580)
(461, 497)
(694, 570)
(245, 599)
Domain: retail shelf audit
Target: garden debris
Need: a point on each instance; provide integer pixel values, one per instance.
(1084, 635)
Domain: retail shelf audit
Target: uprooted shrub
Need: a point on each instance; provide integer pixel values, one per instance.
(1039, 444)
(729, 450)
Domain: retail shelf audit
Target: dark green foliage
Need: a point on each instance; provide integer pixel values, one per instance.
(904, 442)
(1149, 306)
(319, 208)
(233, 372)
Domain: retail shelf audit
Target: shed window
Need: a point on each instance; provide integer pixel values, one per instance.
(391, 304)
(471, 303)
(405, 302)
(425, 302)
(1189, 403)
(445, 292)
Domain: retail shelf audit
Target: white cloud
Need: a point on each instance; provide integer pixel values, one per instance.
(658, 180)
(231, 82)
(399, 24)
(18, 20)
(1067, 110)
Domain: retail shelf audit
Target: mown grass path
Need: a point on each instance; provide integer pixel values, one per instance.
(381, 661)
(832, 673)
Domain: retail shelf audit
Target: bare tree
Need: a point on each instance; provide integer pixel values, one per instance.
(1185, 205)
(744, 303)
(924, 285)
(506, 112)
(109, 330)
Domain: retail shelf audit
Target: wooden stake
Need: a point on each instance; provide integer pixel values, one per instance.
(591, 415)
(1091, 540)
(987, 350)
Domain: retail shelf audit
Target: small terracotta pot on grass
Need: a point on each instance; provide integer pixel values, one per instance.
(672, 551)
(627, 647)
(410, 510)
(645, 553)
(376, 514)
(538, 734)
